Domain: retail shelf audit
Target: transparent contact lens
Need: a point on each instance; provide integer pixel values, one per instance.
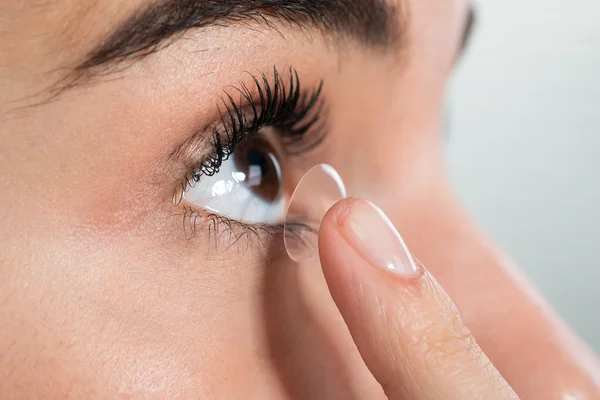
(315, 194)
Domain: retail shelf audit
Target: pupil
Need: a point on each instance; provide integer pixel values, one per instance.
(257, 160)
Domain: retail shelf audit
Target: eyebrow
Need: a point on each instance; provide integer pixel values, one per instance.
(373, 23)
(468, 29)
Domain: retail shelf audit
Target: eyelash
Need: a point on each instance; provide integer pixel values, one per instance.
(219, 226)
(285, 108)
(298, 116)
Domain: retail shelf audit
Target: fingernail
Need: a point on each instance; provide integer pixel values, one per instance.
(375, 238)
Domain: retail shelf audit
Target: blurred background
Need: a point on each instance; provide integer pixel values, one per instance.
(524, 144)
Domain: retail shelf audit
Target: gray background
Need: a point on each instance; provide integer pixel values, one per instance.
(524, 145)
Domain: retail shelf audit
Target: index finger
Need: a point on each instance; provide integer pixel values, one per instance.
(406, 328)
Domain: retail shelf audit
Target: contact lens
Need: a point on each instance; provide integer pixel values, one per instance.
(317, 191)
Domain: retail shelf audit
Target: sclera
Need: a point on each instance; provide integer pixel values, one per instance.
(317, 191)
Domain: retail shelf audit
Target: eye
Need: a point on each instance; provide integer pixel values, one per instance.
(248, 186)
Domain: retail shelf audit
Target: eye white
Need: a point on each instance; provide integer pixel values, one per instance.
(229, 193)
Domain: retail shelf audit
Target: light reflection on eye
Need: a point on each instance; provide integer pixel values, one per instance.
(247, 188)
(221, 188)
(239, 176)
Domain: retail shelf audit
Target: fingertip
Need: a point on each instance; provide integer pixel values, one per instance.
(339, 212)
(406, 328)
(366, 229)
(330, 236)
(330, 225)
(339, 260)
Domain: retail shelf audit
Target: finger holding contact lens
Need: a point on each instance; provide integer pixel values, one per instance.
(315, 194)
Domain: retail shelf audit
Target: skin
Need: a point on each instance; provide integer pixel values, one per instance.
(103, 296)
(407, 329)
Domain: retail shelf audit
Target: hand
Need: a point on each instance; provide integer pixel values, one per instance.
(408, 331)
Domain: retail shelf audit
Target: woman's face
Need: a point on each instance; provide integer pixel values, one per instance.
(127, 266)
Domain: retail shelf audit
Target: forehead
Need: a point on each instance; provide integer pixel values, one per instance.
(59, 34)
(63, 20)
(47, 34)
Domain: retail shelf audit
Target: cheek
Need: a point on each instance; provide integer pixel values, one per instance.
(128, 320)
(127, 317)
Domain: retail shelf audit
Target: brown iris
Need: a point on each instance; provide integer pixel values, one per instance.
(257, 160)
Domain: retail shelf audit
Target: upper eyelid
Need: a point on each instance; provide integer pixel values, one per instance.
(193, 143)
(271, 92)
(281, 103)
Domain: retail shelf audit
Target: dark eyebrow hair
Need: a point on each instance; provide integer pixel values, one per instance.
(371, 22)
(468, 29)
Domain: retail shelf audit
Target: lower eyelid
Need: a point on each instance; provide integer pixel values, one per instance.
(226, 232)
